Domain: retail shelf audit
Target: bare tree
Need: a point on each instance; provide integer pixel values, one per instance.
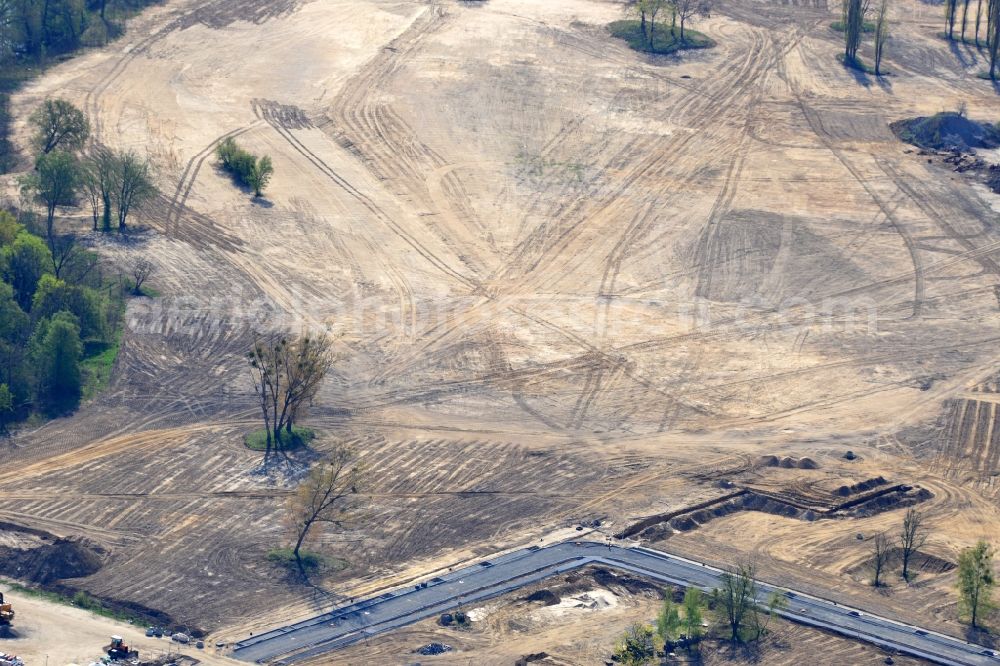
(139, 270)
(993, 36)
(881, 549)
(854, 12)
(881, 34)
(286, 375)
(912, 538)
(64, 251)
(687, 9)
(327, 496)
(98, 180)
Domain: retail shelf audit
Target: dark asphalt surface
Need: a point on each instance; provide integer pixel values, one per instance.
(403, 606)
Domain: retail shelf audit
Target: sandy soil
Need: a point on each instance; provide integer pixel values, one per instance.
(49, 633)
(570, 283)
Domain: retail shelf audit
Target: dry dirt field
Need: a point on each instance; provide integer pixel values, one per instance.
(570, 283)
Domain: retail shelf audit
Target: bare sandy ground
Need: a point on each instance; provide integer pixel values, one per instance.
(569, 283)
(55, 634)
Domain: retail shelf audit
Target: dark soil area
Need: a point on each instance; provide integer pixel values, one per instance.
(52, 559)
(947, 131)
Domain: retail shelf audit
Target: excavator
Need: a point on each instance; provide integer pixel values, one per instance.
(119, 649)
(6, 613)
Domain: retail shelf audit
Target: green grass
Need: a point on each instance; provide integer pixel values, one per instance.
(663, 43)
(97, 364)
(257, 440)
(311, 562)
(968, 41)
(867, 26)
(79, 600)
(986, 76)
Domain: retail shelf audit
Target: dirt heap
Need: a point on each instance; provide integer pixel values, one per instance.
(43, 558)
(947, 131)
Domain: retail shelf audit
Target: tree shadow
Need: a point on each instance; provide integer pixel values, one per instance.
(284, 468)
(261, 202)
(981, 636)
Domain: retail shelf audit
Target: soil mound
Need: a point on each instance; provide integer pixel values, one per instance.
(947, 131)
(547, 597)
(433, 648)
(808, 463)
(51, 559)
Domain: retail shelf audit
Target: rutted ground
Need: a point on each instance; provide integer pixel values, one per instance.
(568, 281)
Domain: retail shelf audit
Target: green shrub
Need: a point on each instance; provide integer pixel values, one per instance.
(244, 166)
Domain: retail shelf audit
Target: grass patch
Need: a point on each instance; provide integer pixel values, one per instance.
(986, 76)
(79, 600)
(311, 562)
(299, 437)
(663, 42)
(867, 26)
(97, 363)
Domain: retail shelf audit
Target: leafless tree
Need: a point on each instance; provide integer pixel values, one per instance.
(881, 34)
(912, 538)
(688, 9)
(139, 270)
(881, 549)
(98, 181)
(327, 496)
(286, 375)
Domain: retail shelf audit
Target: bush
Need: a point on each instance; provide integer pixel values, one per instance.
(299, 437)
(244, 166)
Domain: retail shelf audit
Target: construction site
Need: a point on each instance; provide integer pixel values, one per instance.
(709, 303)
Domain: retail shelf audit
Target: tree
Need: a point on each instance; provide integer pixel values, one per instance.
(24, 262)
(668, 622)
(57, 353)
(950, 12)
(6, 407)
(976, 582)
(684, 10)
(286, 375)
(693, 604)
(139, 269)
(854, 12)
(736, 598)
(912, 538)
(133, 186)
(993, 36)
(761, 618)
(59, 124)
(98, 176)
(881, 34)
(53, 183)
(635, 647)
(328, 496)
(260, 175)
(13, 321)
(965, 17)
(881, 549)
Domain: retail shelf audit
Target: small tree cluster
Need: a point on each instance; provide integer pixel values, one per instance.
(739, 612)
(244, 166)
(680, 11)
(115, 184)
(986, 32)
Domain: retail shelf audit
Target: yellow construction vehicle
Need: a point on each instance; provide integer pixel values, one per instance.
(6, 612)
